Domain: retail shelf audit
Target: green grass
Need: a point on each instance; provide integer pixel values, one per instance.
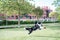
(52, 32)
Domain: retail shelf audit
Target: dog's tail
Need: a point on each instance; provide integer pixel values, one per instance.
(27, 28)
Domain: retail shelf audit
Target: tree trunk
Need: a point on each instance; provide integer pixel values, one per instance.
(38, 17)
(6, 19)
(19, 18)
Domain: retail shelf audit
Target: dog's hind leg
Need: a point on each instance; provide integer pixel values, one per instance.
(30, 32)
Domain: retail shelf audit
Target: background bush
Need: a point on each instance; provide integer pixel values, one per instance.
(23, 22)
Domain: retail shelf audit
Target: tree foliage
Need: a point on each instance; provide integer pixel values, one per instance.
(57, 4)
(53, 14)
(38, 11)
(15, 6)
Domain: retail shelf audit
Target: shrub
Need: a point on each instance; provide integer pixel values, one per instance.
(22, 22)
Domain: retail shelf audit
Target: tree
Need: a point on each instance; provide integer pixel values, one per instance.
(38, 11)
(53, 14)
(3, 8)
(57, 4)
(18, 6)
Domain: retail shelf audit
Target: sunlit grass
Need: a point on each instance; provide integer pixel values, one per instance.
(50, 33)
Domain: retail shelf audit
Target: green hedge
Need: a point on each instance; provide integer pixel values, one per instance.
(51, 22)
(21, 22)
(15, 22)
(8, 22)
(27, 22)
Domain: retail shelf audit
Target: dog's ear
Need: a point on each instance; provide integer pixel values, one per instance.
(39, 22)
(36, 22)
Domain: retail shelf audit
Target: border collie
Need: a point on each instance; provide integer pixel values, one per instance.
(35, 27)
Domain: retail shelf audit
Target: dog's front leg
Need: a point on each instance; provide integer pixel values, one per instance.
(39, 28)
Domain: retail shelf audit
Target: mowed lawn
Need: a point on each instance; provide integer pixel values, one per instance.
(52, 32)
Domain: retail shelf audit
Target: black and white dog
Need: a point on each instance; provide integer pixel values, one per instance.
(35, 27)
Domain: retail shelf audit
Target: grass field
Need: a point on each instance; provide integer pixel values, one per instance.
(52, 32)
